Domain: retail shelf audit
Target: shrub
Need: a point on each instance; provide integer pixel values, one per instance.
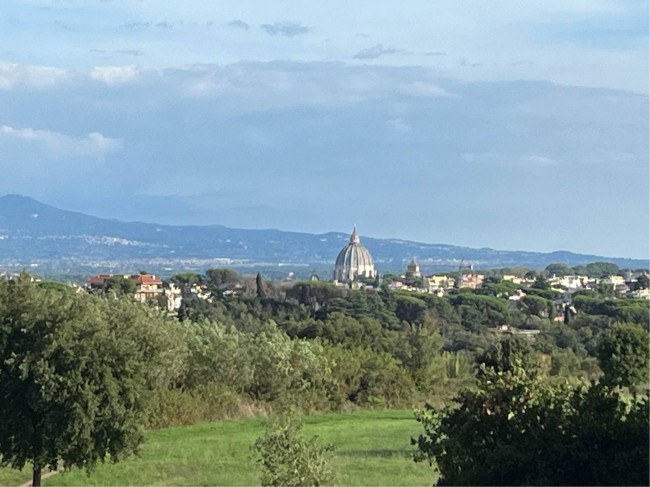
(287, 458)
(369, 379)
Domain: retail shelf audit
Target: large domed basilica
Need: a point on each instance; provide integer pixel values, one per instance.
(354, 261)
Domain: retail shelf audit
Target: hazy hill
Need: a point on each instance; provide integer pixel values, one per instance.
(31, 232)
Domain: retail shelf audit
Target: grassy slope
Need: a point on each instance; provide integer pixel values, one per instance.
(9, 476)
(372, 448)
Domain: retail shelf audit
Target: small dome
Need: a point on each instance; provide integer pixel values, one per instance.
(413, 269)
(354, 261)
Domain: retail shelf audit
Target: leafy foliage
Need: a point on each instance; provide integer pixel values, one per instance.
(558, 269)
(624, 356)
(479, 311)
(77, 375)
(601, 269)
(623, 310)
(288, 459)
(517, 429)
(120, 285)
(220, 280)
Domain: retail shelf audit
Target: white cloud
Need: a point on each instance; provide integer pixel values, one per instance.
(58, 145)
(113, 75)
(12, 74)
(420, 88)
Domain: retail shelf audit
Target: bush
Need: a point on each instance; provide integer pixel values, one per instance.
(287, 458)
(369, 379)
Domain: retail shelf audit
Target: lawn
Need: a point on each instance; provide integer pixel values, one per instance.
(372, 448)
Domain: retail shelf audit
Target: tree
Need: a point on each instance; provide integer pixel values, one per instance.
(517, 429)
(507, 356)
(480, 311)
(558, 269)
(605, 290)
(601, 269)
(624, 310)
(623, 355)
(76, 376)
(540, 283)
(259, 285)
(580, 270)
(642, 282)
(417, 348)
(537, 306)
(410, 309)
(532, 274)
(500, 289)
(220, 280)
(120, 285)
(315, 294)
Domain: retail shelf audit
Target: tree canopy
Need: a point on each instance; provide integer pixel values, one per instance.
(221, 279)
(76, 375)
(120, 285)
(517, 429)
(623, 355)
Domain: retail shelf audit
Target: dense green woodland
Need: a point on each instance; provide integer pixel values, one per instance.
(81, 376)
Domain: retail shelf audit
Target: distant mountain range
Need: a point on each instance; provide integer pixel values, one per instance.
(36, 235)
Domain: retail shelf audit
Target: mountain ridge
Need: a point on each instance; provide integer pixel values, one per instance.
(31, 231)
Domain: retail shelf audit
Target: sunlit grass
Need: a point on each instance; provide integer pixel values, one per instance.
(372, 448)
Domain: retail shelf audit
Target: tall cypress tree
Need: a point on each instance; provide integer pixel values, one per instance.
(259, 282)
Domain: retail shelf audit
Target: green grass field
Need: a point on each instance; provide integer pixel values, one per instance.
(372, 448)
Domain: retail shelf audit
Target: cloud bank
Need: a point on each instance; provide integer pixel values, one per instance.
(58, 145)
(450, 161)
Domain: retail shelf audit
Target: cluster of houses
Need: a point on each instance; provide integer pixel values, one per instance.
(148, 287)
(444, 283)
(413, 280)
(620, 285)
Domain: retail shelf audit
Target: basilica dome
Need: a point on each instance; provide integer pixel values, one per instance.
(354, 261)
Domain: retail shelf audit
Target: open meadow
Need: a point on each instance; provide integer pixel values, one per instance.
(372, 448)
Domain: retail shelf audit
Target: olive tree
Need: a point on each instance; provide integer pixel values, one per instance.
(76, 376)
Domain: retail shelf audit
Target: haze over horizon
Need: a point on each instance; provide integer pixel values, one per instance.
(510, 126)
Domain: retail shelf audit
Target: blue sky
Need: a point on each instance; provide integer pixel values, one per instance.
(509, 124)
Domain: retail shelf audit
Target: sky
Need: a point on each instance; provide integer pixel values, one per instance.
(511, 125)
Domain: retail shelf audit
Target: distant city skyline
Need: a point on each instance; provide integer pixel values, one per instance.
(509, 125)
